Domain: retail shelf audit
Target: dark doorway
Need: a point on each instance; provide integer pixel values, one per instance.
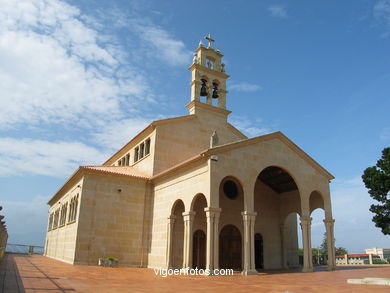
(199, 250)
(230, 248)
(259, 259)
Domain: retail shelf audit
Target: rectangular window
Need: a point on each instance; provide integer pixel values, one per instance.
(147, 146)
(50, 222)
(141, 151)
(136, 154)
(119, 163)
(56, 218)
(123, 161)
(127, 159)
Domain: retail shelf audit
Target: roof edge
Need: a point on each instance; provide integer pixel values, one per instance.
(151, 126)
(273, 135)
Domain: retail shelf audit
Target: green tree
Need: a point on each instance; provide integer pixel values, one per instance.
(324, 245)
(377, 181)
(341, 251)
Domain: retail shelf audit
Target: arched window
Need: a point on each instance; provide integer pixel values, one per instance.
(70, 210)
(147, 147)
(75, 208)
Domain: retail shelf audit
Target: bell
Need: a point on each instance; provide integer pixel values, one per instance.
(215, 91)
(203, 88)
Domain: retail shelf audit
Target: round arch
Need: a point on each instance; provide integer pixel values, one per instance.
(178, 202)
(196, 198)
(276, 196)
(278, 166)
(316, 200)
(178, 234)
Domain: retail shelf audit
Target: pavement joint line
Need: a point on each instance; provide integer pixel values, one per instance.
(49, 278)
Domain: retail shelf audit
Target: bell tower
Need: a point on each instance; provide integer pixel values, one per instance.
(208, 81)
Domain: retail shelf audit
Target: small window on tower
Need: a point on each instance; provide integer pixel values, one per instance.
(147, 146)
(210, 63)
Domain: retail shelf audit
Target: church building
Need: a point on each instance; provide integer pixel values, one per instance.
(194, 192)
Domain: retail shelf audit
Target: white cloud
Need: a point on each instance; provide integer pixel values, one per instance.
(250, 127)
(163, 45)
(354, 228)
(381, 11)
(116, 134)
(54, 68)
(244, 87)
(59, 67)
(57, 159)
(278, 10)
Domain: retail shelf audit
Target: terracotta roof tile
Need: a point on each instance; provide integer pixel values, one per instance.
(121, 170)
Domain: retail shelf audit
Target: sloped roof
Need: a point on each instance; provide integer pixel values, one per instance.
(134, 173)
(117, 170)
(120, 170)
(150, 127)
(275, 135)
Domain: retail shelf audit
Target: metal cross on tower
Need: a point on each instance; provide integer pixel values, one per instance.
(210, 40)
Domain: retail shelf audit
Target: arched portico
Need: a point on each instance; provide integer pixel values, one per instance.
(317, 201)
(230, 248)
(175, 233)
(231, 203)
(197, 249)
(276, 196)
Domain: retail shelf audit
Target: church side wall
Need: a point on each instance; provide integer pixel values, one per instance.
(61, 241)
(184, 185)
(147, 162)
(111, 220)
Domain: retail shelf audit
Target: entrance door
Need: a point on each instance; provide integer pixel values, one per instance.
(259, 259)
(199, 250)
(230, 248)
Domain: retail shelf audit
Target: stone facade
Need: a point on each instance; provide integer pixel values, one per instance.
(193, 191)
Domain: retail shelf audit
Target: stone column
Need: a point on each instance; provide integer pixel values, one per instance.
(170, 224)
(187, 249)
(329, 224)
(249, 243)
(222, 99)
(209, 99)
(306, 239)
(283, 247)
(212, 215)
(216, 238)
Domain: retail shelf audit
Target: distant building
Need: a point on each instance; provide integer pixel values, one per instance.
(356, 259)
(384, 253)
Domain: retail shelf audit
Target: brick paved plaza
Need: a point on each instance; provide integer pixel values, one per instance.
(23, 273)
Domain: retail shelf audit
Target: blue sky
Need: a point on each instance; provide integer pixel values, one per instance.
(78, 79)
